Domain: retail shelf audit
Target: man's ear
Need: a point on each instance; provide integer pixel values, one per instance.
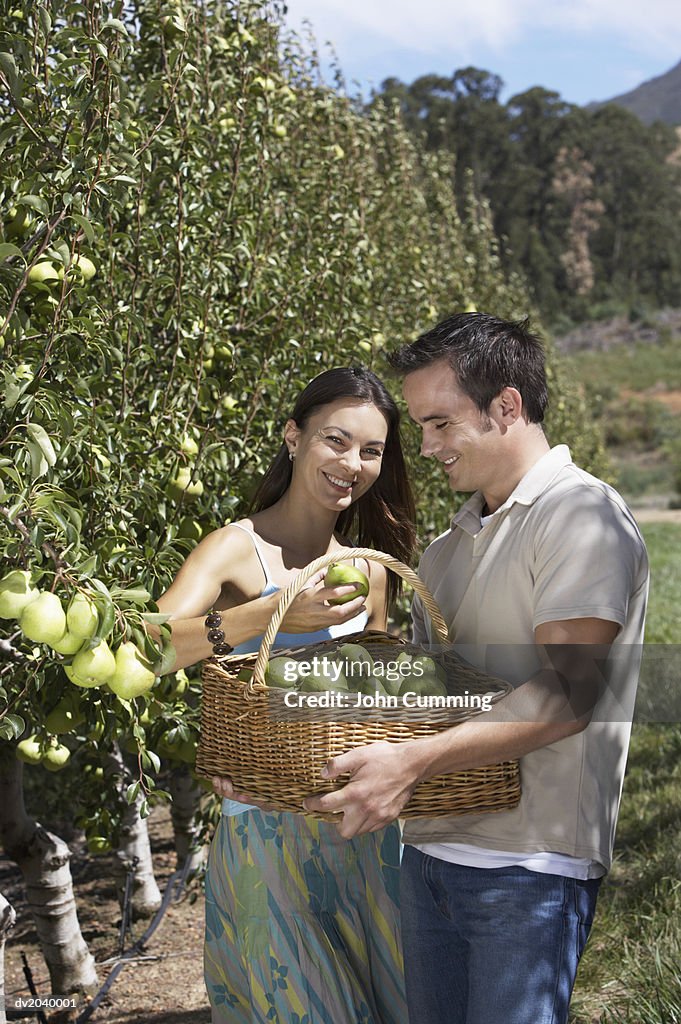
(291, 435)
(508, 406)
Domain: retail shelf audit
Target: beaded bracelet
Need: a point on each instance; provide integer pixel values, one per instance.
(216, 635)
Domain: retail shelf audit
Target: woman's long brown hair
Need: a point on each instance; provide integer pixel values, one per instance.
(384, 517)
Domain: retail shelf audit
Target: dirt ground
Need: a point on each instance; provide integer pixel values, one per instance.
(165, 986)
(657, 515)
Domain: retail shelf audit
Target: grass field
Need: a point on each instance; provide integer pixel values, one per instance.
(636, 367)
(631, 971)
(634, 390)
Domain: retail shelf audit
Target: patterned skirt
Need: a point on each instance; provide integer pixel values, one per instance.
(302, 926)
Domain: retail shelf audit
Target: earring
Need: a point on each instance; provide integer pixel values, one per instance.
(291, 456)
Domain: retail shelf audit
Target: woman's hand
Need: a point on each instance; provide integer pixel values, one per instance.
(310, 609)
(224, 788)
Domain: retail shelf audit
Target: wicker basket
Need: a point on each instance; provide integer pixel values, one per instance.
(245, 736)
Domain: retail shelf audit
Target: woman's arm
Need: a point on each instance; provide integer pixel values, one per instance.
(216, 574)
(220, 560)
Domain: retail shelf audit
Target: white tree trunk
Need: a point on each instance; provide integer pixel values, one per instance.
(43, 860)
(134, 843)
(7, 919)
(184, 812)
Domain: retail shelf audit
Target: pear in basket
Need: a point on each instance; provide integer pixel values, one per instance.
(428, 680)
(278, 673)
(394, 686)
(359, 667)
(340, 575)
(328, 675)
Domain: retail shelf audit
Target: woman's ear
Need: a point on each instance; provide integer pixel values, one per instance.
(291, 436)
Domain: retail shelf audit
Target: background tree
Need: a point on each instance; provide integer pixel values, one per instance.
(515, 153)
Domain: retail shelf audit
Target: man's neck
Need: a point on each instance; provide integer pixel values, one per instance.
(532, 450)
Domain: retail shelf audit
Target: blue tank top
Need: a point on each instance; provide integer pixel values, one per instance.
(354, 625)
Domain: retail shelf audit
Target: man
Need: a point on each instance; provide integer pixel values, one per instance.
(544, 575)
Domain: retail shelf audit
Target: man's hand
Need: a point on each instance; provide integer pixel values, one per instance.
(382, 780)
(225, 789)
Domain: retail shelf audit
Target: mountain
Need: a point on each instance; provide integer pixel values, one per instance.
(659, 99)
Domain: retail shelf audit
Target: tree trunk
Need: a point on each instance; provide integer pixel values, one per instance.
(7, 919)
(186, 793)
(134, 843)
(43, 860)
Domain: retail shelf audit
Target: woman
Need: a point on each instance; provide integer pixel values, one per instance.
(301, 925)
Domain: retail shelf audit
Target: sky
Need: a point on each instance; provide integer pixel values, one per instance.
(583, 49)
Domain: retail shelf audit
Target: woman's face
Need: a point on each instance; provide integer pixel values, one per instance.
(339, 451)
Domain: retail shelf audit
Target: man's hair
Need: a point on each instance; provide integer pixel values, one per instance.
(487, 354)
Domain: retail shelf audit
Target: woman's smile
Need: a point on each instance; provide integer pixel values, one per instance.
(339, 483)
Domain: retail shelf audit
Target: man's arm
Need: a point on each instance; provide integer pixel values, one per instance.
(554, 704)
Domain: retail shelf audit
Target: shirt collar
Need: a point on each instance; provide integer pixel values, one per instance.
(526, 491)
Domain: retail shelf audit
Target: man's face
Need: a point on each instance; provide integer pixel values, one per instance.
(455, 432)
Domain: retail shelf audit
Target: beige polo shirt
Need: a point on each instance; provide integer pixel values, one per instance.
(562, 546)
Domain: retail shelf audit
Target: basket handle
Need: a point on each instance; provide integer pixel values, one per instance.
(343, 555)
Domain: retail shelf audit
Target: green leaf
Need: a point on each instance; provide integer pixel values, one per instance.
(12, 393)
(137, 595)
(41, 438)
(107, 616)
(35, 202)
(150, 759)
(45, 20)
(14, 726)
(39, 464)
(116, 26)
(166, 661)
(8, 65)
(8, 251)
(131, 792)
(155, 618)
(85, 224)
(88, 566)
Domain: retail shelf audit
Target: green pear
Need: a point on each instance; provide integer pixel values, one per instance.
(29, 750)
(44, 620)
(45, 272)
(152, 710)
(190, 529)
(178, 749)
(183, 484)
(186, 751)
(83, 266)
(276, 673)
(393, 686)
(82, 617)
(132, 674)
(358, 668)
(69, 644)
(428, 685)
(93, 666)
(174, 685)
(188, 445)
(325, 678)
(341, 575)
(15, 593)
(75, 679)
(56, 757)
(98, 844)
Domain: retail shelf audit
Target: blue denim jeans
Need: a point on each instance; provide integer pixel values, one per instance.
(490, 946)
